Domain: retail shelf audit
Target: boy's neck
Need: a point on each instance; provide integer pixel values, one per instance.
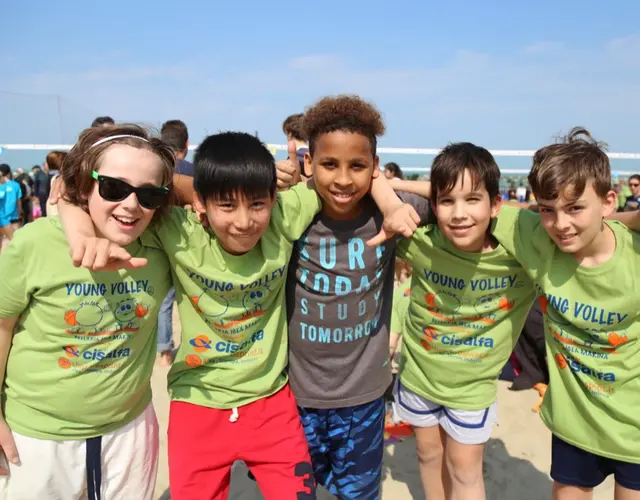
(600, 250)
(353, 214)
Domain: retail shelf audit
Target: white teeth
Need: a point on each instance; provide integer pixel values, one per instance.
(124, 220)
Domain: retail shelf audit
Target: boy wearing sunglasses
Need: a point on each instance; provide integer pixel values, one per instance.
(79, 347)
(230, 396)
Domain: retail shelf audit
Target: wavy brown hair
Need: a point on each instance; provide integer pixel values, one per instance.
(571, 164)
(84, 158)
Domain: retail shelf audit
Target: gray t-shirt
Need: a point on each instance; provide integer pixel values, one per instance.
(339, 298)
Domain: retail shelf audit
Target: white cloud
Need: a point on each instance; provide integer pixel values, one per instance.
(503, 101)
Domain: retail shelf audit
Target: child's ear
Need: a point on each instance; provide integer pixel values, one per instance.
(376, 167)
(496, 205)
(199, 204)
(308, 165)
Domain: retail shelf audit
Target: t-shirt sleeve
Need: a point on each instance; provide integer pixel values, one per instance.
(166, 232)
(295, 210)
(399, 313)
(422, 205)
(14, 292)
(521, 233)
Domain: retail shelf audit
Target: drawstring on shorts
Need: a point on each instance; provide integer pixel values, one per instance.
(234, 415)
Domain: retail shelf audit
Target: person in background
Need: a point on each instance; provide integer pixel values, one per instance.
(631, 202)
(174, 133)
(40, 187)
(26, 184)
(10, 195)
(52, 167)
(393, 171)
(103, 121)
(293, 129)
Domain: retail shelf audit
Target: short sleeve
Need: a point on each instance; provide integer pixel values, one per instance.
(14, 292)
(399, 314)
(295, 210)
(422, 205)
(521, 233)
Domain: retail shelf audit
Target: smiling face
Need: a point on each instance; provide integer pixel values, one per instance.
(575, 224)
(237, 221)
(124, 221)
(343, 166)
(464, 214)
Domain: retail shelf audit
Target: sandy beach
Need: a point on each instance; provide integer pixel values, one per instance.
(516, 463)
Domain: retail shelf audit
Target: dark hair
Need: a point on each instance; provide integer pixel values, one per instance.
(36, 166)
(232, 163)
(347, 113)
(84, 158)
(102, 120)
(5, 169)
(55, 159)
(293, 126)
(395, 169)
(174, 134)
(572, 163)
(634, 176)
(457, 157)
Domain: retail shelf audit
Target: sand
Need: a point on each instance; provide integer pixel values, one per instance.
(516, 463)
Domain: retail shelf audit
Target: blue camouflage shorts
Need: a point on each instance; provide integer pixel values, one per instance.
(346, 447)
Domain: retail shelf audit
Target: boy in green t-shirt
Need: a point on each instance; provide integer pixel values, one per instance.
(229, 391)
(469, 301)
(586, 274)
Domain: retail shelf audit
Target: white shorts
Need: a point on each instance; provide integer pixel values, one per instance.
(126, 460)
(465, 426)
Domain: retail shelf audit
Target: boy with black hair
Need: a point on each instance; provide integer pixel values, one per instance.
(585, 271)
(229, 391)
(339, 296)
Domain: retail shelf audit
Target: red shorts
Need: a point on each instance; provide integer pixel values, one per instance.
(203, 445)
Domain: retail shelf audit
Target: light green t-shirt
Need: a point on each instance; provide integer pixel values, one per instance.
(466, 313)
(84, 348)
(232, 308)
(401, 296)
(592, 330)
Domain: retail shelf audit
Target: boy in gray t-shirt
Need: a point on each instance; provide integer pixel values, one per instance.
(339, 298)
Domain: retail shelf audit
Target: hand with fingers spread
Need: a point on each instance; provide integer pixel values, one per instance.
(99, 254)
(402, 219)
(288, 171)
(7, 446)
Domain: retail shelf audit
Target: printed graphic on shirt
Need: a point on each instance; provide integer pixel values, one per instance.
(348, 315)
(104, 319)
(234, 313)
(466, 314)
(582, 351)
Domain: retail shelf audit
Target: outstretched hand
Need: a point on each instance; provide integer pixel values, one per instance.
(402, 220)
(99, 254)
(288, 171)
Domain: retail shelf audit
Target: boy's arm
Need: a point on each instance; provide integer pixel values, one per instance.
(629, 219)
(399, 218)
(7, 443)
(87, 250)
(288, 171)
(421, 188)
(183, 187)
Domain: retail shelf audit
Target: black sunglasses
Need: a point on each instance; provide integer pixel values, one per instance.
(112, 189)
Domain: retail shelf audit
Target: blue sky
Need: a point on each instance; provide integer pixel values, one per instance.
(503, 74)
